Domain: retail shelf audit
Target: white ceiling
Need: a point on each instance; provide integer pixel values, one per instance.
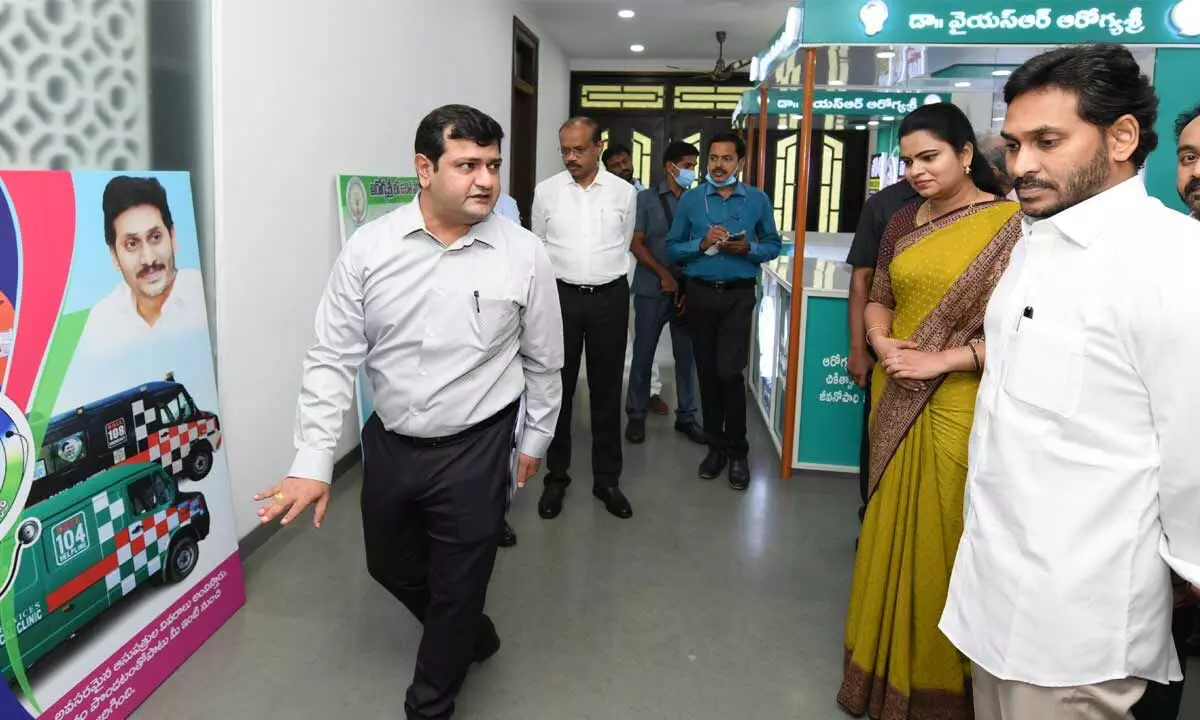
(671, 30)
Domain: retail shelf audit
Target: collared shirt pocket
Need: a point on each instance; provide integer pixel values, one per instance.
(496, 318)
(612, 220)
(1046, 367)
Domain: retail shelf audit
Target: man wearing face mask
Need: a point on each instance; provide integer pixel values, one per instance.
(722, 232)
(657, 298)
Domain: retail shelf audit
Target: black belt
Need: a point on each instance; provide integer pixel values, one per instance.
(591, 289)
(737, 284)
(479, 427)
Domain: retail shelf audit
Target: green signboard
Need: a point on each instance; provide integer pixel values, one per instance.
(1000, 22)
(837, 102)
(831, 405)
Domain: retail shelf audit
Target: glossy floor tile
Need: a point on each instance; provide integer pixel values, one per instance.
(707, 605)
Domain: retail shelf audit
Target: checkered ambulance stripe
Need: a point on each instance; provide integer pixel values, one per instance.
(168, 447)
(133, 553)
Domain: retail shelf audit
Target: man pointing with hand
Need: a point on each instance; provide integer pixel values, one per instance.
(455, 314)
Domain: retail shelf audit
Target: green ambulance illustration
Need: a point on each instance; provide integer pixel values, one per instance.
(99, 540)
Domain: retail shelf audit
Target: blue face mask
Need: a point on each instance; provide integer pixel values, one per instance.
(685, 177)
(732, 179)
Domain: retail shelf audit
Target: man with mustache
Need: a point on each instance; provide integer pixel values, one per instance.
(618, 160)
(1187, 132)
(723, 231)
(156, 298)
(585, 216)
(1082, 494)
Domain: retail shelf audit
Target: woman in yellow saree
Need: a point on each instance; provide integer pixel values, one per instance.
(939, 261)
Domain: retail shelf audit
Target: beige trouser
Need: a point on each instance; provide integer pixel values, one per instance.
(997, 699)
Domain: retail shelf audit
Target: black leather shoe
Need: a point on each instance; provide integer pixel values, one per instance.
(713, 464)
(614, 501)
(694, 432)
(550, 505)
(635, 431)
(739, 474)
(487, 642)
(508, 537)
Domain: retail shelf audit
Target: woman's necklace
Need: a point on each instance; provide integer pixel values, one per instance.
(931, 214)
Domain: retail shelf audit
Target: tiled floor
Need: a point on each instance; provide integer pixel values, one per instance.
(707, 605)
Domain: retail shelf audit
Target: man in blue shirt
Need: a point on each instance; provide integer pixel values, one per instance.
(656, 296)
(723, 231)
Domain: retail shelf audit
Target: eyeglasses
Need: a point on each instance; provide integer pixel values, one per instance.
(577, 152)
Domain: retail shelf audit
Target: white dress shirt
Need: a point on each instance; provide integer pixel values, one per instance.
(114, 325)
(586, 230)
(1083, 489)
(450, 336)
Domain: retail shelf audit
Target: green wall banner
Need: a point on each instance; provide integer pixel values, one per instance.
(837, 102)
(831, 405)
(1001, 22)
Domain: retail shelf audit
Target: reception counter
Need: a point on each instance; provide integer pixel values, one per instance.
(829, 406)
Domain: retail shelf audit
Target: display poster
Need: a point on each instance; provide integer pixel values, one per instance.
(118, 555)
(361, 199)
(831, 405)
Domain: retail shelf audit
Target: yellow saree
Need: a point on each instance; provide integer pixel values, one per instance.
(936, 279)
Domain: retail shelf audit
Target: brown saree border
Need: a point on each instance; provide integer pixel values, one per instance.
(955, 321)
(866, 694)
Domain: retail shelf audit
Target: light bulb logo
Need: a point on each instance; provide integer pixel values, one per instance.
(1186, 17)
(874, 15)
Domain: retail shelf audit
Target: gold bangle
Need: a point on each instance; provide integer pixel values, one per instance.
(873, 328)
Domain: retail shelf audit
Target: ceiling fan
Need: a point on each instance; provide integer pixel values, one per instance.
(723, 70)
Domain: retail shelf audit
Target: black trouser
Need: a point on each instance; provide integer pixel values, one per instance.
(597, 318)
(1162, 702)
(864, 451)
(720, 321)
(432, 514)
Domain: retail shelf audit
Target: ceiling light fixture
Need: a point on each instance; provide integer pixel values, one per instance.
(885, 54)
(637, 48)
(837, 83)
(888, 118)
(1001, 73)
(873, 123)
(962, 84)
(625, 14)
(860, 127)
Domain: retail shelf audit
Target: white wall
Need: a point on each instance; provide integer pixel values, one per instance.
(304, 90)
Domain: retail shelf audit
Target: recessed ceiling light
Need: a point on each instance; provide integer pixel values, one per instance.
(885, 54)
(873, 123)
(1001, 73)
(625, 14)
(860, 127)
(962, 84)
(637, 48)
(888, 118)
(837, 83)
